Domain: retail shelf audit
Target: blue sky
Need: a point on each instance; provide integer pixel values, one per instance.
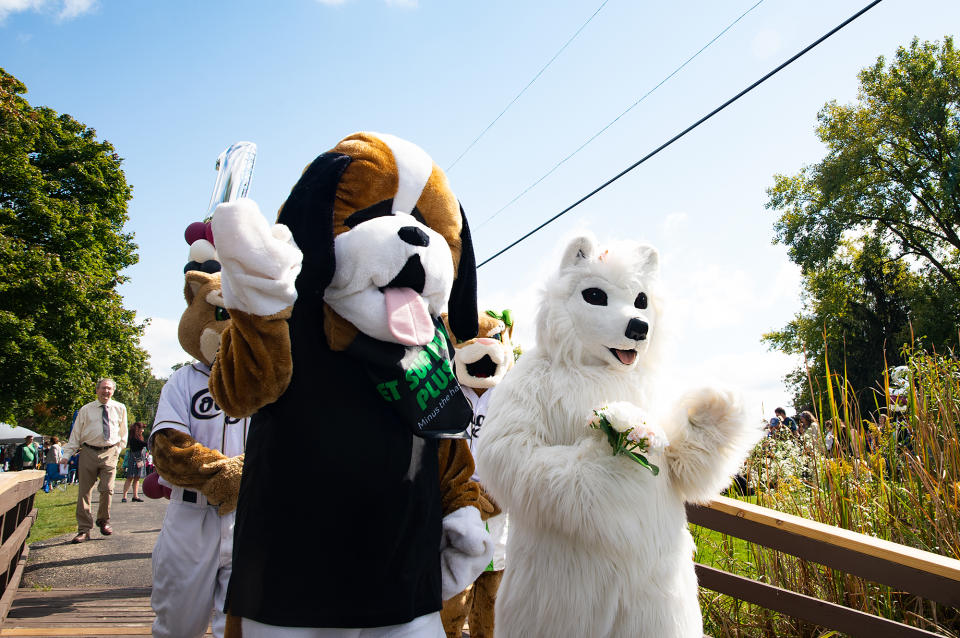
(173, 84)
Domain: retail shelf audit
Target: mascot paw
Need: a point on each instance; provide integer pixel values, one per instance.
(466, 549)
(259, 263)
(224, 487)
(708, 407)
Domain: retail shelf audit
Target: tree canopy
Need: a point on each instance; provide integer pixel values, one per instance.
(875, 225)
(892, 166)
(63, 205)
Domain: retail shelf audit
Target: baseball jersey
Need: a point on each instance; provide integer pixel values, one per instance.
(187, 405)
(479, 404)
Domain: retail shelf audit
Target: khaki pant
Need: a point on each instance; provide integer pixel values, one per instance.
(93, 465)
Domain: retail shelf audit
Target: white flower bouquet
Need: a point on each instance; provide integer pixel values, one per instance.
(629, 432)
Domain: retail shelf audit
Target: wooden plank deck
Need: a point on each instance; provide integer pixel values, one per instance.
(65, 612)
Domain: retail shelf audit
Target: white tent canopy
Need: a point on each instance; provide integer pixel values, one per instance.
(16, 434)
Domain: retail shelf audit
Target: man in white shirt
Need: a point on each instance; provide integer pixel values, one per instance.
(99, 433)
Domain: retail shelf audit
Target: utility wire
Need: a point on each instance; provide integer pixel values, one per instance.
(529, 84)
(616, 119)
(685, 131)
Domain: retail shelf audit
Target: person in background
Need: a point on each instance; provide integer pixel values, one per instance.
(135, 464)
(98, 434)
(785, 420)
(809, 431)
(27, 455)
(72, 466)
(829, 438)
(51, 459)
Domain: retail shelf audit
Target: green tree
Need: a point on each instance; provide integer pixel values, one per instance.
(63, 205)
(891, 169)
(858, 310)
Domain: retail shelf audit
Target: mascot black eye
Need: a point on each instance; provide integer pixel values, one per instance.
(641, 301)
(594, 297)
(220, 314)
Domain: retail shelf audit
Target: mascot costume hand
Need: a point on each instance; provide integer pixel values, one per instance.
(481, 364)
(198, 453)
(335, 347)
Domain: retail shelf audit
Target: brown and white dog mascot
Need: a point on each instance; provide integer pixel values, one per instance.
(481, 364)
(352, 513)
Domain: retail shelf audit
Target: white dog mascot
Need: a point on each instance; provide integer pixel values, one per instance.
(599, 544)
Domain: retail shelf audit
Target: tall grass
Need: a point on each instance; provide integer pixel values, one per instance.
(895, 478)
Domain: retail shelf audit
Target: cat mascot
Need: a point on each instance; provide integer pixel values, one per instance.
(480, 365)
(198, 453)
(354, 518)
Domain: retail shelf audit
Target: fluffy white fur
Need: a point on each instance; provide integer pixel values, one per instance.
(599, 546)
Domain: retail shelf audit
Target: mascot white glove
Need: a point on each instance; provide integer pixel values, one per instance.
(259, 263)
(466, 549)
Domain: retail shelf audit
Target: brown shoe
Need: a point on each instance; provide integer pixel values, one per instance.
(81, 537)
(105, 529)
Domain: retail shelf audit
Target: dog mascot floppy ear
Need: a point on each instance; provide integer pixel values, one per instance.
(480, 364)
(198, 452)
(335, 345)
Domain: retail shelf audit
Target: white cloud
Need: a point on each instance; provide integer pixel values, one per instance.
(332, 3)
(161, 343)
(73, 8)
(65, 9)
(766, 43)
(674, 223)
(16, 6)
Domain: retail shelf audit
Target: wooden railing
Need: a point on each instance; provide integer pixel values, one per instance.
(17, 514)
(927, 575)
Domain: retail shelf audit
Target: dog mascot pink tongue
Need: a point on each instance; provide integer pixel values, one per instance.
(354, 518)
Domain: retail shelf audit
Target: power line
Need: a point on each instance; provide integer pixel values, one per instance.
(616, 119)
(686, 130)
(529, 84)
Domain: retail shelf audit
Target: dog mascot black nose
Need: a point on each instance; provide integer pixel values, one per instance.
(637, 329)
(414, 236)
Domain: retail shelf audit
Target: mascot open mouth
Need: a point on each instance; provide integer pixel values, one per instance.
(408, 316)
(482, 368)
(626, 357)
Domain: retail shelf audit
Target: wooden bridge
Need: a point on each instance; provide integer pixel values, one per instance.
(125, 611)
(118, 606)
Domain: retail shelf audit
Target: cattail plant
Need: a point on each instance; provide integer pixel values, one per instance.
(892, 474)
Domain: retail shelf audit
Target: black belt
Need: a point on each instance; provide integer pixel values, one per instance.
(189, 496)
(98, 448)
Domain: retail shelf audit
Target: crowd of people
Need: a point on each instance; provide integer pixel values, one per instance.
(62, 463)
(792, 445)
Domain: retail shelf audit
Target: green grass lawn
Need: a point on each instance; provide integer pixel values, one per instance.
(717, 550)
(56, 514)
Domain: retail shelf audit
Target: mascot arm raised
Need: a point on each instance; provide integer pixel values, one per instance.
(710, 442)
(259, 268)
(466, 547)
(182, 461)
(554, 485)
